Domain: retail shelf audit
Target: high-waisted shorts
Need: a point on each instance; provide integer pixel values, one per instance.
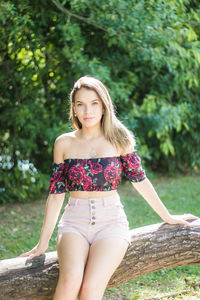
(95, 218)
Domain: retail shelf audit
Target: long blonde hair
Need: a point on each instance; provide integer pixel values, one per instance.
(113, 129)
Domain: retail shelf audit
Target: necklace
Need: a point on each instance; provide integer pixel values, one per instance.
(92, 153)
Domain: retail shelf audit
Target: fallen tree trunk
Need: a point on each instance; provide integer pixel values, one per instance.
(153, 247)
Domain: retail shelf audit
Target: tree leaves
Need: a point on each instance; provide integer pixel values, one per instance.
(146, 52)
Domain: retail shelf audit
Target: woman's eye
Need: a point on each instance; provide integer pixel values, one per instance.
(95, 102)
(79, 104)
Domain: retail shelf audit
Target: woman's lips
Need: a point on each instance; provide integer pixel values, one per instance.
(87, 118)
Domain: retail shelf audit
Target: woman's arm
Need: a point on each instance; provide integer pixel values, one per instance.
(147, 191)
(53, 206)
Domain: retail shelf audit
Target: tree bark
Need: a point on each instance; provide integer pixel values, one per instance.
(153, 247)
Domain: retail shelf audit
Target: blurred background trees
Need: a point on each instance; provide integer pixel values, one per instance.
(146, 52)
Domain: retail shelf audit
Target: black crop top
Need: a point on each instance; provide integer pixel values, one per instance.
(94, 174)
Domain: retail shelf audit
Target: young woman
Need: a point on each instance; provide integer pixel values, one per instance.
(93, 233)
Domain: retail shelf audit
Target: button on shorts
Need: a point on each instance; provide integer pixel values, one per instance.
(95, 218)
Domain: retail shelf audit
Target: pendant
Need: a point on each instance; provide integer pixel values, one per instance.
(92, 154)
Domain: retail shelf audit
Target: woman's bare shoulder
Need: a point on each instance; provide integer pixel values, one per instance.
(66, 137)
(62, 144)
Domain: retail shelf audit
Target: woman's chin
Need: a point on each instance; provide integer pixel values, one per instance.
(91, 123)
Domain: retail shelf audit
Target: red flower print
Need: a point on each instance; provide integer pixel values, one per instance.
(66, 168)
(52, 187)
(57, 179)
(58, 176)
(134, 162)
(115, 185)
(111, 173)
(76, 174)
(96, 168)
(87, 182)
(131, 161)
(131, 164)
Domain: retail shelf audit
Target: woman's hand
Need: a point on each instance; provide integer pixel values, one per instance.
(181, 219)
(36, 251)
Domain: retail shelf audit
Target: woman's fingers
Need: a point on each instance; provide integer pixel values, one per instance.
(182, 222)
(182, 219)
(189, 217)
(28, 253)
(185, 223)
(25, 254)
(32, 256)
(36, 251)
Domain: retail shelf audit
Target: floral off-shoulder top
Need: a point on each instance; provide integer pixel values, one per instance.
(95, 174)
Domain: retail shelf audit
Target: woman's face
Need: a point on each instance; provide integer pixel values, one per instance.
(88, 107)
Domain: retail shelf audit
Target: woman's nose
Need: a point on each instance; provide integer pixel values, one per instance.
(87, 109)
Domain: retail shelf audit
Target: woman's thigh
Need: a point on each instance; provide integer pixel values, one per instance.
(72, 252)
(104, 257)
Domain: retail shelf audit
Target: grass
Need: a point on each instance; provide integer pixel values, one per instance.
(20, 226)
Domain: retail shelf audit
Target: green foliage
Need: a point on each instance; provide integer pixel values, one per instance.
(146, 52)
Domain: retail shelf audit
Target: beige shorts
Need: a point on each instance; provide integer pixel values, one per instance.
(95, 218)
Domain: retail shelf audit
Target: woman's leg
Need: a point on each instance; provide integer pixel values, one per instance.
(104, 257)
(72, 251)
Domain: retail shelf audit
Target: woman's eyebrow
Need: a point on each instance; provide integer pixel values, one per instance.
(90, 100)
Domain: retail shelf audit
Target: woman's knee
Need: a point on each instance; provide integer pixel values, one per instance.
(91, 288)
(72, 278)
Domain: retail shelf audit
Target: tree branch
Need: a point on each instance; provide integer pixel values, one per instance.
(67, 12)
(154, 247)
